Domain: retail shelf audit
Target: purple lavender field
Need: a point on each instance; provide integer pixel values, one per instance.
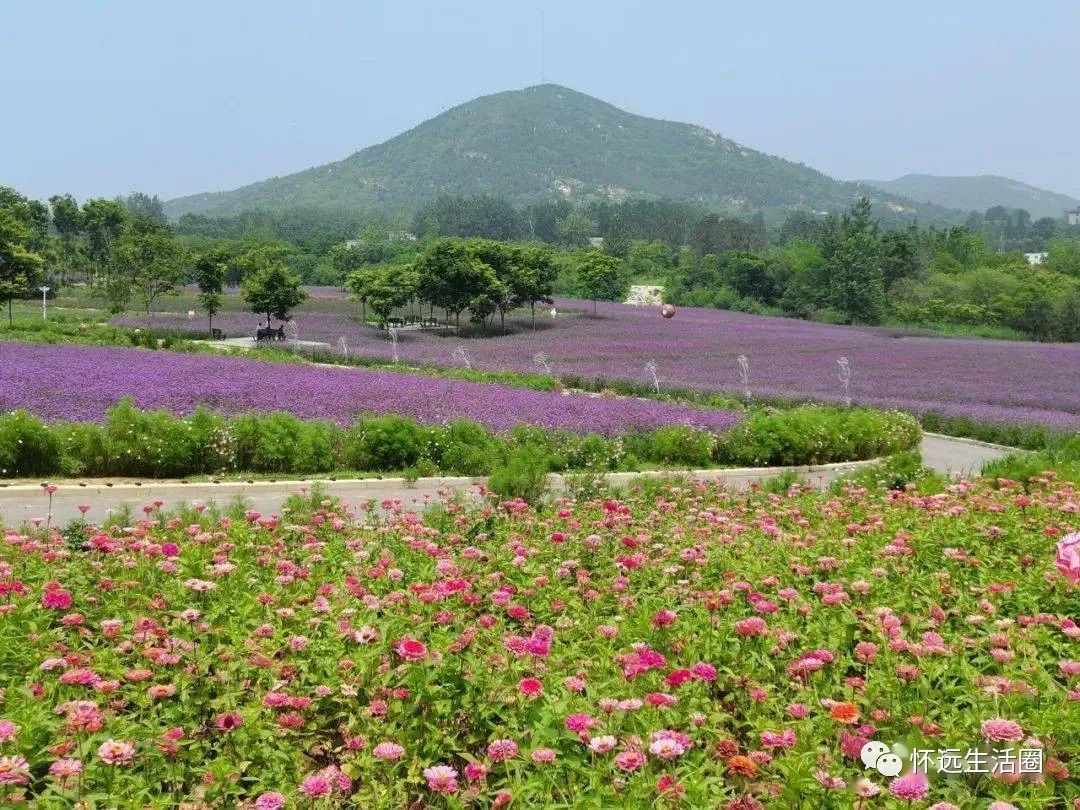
(79, 383)
(987, 380)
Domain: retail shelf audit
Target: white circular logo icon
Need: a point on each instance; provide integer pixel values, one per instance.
(877, 755)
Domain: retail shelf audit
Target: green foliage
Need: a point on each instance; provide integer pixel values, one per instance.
(154, 444)
(383, 443)
(210, 271)
(897, 471)
(19, 265)
(146, 259)
(272, 290)
(522, 474)
(673, 445)
(464, 447)
(601, 279)
(816, 436)
(27, 446)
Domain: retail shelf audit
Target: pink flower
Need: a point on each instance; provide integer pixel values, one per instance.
(998, 730)
(116, 752)
(228, 721)
(271, 800)
(754, 626)
(410, 649)
(530, 687)
(771, 739)
(58, 599)
(910, 786)
(475, 771)
(666, 748)
(8, 730)
(603, 743)
(581, 722)
(388, 751)
(441, 779)
(543, 755)
(14, 771)
(1068, 556)
(664, 618)
(316, 786)
(64, 769)
(629, 760)
(500, 750)
(704, 672)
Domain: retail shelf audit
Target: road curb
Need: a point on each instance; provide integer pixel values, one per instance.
(975, 442)
(558, 480)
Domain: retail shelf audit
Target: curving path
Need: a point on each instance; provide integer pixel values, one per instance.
(26, 502)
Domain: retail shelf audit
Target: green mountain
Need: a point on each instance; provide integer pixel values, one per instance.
(550, 142)
(978, 193)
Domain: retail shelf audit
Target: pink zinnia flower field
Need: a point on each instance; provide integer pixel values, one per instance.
(678, 647)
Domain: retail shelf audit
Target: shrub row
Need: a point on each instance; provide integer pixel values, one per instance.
(157, 444)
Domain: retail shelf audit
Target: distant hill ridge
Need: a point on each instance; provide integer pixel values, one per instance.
(550, 142)
(977, 193)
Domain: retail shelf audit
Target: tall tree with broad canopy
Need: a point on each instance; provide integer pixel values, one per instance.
(147, 259)
(600, 278)
(271, 289)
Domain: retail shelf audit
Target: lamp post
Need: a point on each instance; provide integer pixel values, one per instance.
(44, 292)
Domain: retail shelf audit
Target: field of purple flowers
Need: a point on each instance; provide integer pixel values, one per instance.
(990, 381)
(79, 383)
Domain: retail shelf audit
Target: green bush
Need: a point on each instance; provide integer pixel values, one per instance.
(27, 446)
(148, 443)
(522, 474)
(673, 445)
(265, 442)
(383, 443)
(83, 450)
(812, 435)
(466, 448)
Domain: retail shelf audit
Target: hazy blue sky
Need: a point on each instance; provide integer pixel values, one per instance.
(101, 97)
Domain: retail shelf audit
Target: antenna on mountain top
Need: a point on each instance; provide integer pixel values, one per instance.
(543, 78)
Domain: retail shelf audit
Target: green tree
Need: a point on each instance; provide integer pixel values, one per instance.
(271, 289)
(388, 289)
(1063, 257)
(600, 278)
(899, 256)
(450, 276)
(359, 281)
(210, 270)
(143, 205)
(747, 274)
(148, 259)
(616, 237)
(856, 283)
(18, 265)
(103, 221)
(67, 218)
(575, 229)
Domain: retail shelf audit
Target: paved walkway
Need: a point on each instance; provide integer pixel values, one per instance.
(27, 502)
